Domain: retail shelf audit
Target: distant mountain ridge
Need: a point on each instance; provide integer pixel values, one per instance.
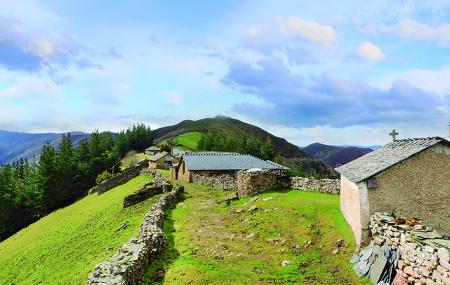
(16, 145)
(335, 155)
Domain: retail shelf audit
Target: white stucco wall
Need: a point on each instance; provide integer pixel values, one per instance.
(350, 206)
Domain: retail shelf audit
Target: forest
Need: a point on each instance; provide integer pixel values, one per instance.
(31, 189)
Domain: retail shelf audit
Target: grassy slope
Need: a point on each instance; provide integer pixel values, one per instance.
(211, 243)
(187, 140)
(63, 247)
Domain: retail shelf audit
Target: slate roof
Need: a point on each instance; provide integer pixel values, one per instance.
(226, 161)
(158, 156)
(379, 160)
(153, 148)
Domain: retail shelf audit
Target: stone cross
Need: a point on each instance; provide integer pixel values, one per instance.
(393, 134)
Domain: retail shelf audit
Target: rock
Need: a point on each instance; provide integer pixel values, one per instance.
(285, 263)
(339, 243)
(267, 199)
(401, 264)
(399, 279)
(443, 255)
(335, 251)
(251, 235)
(252, 209)
(239, 211)
(254, 199)
(257, 271)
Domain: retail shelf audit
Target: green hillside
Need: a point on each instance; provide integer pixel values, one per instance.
(63, 247)
(289, 154)
(187, 140)
(228, 126)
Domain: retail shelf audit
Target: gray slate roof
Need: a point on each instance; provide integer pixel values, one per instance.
(379, 160)
(226, 161)
(158, 156)
(153, 148)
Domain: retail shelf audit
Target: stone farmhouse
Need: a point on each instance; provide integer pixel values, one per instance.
(152, 150)
(219, 169)
(161, 160)
(409, 177)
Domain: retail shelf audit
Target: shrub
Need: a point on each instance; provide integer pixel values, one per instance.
(102, 177)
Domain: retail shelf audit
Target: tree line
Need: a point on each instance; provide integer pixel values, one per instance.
(32, 189)
(244, 144)
(247, 144)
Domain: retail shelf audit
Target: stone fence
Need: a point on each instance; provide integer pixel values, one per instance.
(252, 182)
(423, 253)
(120, 178)
(147, 190)
(225, 181)
(129, 264)
(331, 186)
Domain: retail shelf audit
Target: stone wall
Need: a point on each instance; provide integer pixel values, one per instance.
(120, 178)
(252, 182)
(129, 264)
(147, 190)
(331, 186)
(213, 179)
(424, 252)
(418, 187)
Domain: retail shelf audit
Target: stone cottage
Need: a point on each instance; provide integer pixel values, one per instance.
(161, 160)
(218, 169)
(409, 177)
(152, 150)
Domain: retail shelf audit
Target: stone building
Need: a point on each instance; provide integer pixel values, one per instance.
(409, 177)
(218, 169)
(152, 150)
(161, 160)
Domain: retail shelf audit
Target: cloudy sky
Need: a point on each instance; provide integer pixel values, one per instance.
(338, 73)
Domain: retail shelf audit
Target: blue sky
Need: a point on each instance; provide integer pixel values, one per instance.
(344, 72)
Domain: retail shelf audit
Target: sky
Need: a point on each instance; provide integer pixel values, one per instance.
(336, 72)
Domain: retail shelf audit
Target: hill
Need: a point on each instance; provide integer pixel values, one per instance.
(335, 155)
(229, 126)
(16, 145)
(64, 246)
(289, 154)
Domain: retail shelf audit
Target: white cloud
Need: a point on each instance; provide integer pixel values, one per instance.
(172, 97)
(410, 29)
(307, 30)
(370, 51)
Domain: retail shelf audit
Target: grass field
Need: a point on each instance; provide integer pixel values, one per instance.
(187, 140)
(212, 243)
(63, 247)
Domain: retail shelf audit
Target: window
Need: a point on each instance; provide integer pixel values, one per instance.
(372, 183)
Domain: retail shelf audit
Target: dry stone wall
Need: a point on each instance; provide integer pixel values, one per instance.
(331, 186)
(129, 264)
(253, 182)
(423, 252)
(120, 178)
(147, 190)
(226, 181)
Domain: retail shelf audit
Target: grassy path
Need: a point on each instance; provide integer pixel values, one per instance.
(289, 239)
(63, 247)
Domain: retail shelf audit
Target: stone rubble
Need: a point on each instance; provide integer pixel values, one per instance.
(423, 252)
(129, 264)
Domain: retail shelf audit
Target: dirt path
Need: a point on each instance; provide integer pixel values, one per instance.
(288, 238)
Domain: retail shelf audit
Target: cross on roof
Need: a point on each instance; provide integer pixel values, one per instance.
(393, 134)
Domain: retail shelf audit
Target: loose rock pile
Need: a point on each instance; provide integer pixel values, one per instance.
(129, 264)
(424, 252)
(376, 262)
